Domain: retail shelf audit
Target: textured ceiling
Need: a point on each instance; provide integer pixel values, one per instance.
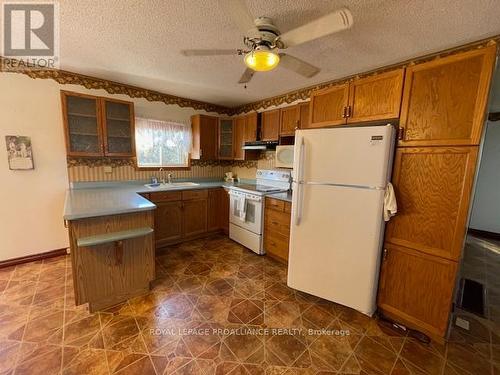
(139, 42)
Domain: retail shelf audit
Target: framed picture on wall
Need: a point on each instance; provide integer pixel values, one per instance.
(19, 152)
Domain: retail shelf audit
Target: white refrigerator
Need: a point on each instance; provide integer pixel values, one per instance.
(339, 181)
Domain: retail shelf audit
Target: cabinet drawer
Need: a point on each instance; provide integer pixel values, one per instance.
(277, 222)
(194, 194)
(276, 245)
(165, 196)
(275, 204)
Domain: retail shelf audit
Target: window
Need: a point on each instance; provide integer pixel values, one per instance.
(162, 143)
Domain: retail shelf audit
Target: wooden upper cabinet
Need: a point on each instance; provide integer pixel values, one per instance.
(328, 106)
(270, 125)
(433, 187)
(444, 100)
(82, 124)
(118, 127)
(375, 98)
(304, 115)
(290, 120)
(225, 145)
(205, 137)
(251, 121)
(239, 137)
(417, 289)
(96, 126)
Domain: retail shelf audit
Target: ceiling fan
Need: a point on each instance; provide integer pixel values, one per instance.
(264, 41)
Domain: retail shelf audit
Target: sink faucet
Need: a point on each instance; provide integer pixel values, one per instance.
(161, 174)
(169, 178)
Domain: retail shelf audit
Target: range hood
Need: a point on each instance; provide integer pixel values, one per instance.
(260, 145)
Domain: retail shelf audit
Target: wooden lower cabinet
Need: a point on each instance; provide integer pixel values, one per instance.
(218, 210)
(417, 289)
(194, 217)
(110, 266)
(188, 214)
(277, 228)
(168, 222)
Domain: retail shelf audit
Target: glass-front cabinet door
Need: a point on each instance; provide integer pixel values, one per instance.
(226, 139)
(96, 126)
(118, 126)
(82, 124)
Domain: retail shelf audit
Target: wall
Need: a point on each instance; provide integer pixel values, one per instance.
(249, 169)
(486, 206)
(32, 201)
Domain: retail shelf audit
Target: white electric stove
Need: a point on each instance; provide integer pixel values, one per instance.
(247, 228)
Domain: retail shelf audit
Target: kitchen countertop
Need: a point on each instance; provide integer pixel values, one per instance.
(284, 196)
(86, 200)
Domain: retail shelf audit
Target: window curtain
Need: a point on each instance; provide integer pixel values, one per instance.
(162, 143)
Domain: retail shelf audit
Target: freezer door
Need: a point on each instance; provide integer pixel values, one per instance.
(335, 244)
(351, 156)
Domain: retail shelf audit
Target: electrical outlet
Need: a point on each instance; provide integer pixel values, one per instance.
(108, 169)
(462, 323)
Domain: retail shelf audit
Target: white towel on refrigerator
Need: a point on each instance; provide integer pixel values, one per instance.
(390, 204)
(241, 201)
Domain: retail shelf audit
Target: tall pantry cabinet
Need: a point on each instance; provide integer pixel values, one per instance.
(442, 116)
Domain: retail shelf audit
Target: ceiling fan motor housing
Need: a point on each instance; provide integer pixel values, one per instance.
(268, 31)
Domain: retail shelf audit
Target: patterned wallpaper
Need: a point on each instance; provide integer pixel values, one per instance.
(84, 170)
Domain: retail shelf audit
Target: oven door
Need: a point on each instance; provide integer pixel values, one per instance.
(253, 217)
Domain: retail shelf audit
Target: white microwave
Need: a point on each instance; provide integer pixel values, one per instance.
(284, 156)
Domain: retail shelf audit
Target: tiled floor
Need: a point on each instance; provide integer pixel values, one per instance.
(481, 263)
(206, 315)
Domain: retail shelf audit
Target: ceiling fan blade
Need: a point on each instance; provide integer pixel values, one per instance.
(210, 52)
(329, 24)
(298, 66)
(247, 75)
(241, 16)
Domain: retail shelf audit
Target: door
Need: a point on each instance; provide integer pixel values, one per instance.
(417, 288)
(433, 187)
(328, 106)
(251, 127)
(253, 218)
(239, 137)
(208, 138)
(358, 156)
(82, 124)
(118, 127)
(168, 222)
(270, 125)
(214, 211)
(194, 218)
(290, 119)
(335, 243)
(225, 139)
(224, 210)
(376, 98)
(444, 100)
(304, 115)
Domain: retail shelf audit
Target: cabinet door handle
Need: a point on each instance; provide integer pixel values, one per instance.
(386, 253)
(297, 125)
(344, 112)
(201, 152)
(401, 134)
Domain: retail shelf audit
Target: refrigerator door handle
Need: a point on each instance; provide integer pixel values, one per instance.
(300, 182)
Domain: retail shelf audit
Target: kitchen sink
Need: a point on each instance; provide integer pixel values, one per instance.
(171, 185)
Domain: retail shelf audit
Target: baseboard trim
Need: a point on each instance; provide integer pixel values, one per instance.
(484, 234)
(32, 258)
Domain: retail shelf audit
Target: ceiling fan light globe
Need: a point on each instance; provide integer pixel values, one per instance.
(262, 61)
